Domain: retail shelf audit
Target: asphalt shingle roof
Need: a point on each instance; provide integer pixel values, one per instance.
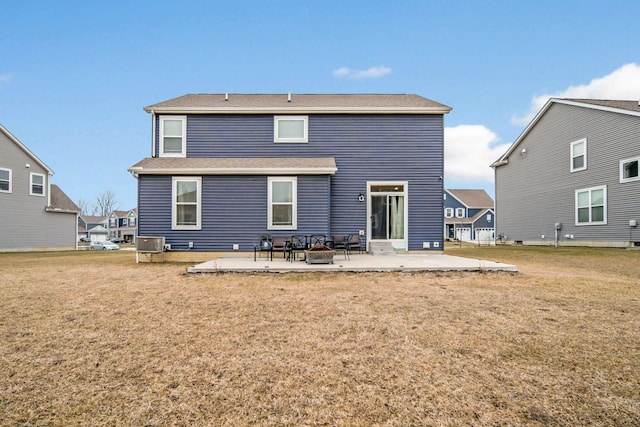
(379, 103)
(240, 166)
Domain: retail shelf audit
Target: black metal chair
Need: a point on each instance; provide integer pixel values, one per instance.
(343, 243)
(317, 239)
(297, 244)
(355, 243)
(280, 245)
(264, 245)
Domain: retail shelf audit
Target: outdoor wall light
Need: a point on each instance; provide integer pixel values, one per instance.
(361, 197)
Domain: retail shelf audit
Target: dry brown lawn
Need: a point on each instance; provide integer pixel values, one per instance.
(94, 339)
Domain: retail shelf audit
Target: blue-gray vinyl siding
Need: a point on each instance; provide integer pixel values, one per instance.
(365, 147)
(536, 189)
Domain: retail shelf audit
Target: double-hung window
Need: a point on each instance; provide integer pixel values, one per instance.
(5, 180)
(173, 136)
(448, 212)
(290, 129)
(579, 155)
(459, 212)
(629, 170)
(187, 203)
(282, 203)
(36, 187)
(591, 206)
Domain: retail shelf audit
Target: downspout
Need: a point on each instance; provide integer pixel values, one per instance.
(153, 133)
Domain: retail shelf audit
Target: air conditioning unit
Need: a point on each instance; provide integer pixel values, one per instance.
(150, 244)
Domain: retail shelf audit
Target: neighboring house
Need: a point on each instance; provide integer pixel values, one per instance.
(36, 215)
(123, 225)
(92, 226)
(226, 168)
(571, 178)
(469, 216)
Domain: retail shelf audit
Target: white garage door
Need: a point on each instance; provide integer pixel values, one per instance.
(463, 234)
(485, 235)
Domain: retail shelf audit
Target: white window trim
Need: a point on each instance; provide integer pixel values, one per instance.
(294, 210)
(304, 139)
(183, 152)
(622, 163)
(604, 205)
(174, 204)
(10, 180)
(573, 144)
(44, 184)
(459, 212)
(448, 212)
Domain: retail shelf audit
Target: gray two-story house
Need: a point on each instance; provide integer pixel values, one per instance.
(226, 168)
(36, 215)
(571, 178)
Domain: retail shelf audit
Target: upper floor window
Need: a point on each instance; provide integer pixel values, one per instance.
(187, 203)
(37, 184)
(629, 170)
(579, 155)
(591, 206)
(282, 201)
(173, 136)
(290, 129)
(132, 221)
(5, 180)
(112, 221)
(448, 212)
(459, 212)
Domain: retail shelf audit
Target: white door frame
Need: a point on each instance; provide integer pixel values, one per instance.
(401, 244)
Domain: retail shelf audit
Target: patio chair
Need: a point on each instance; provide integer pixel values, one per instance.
(355, 243)
(264, 245)
(342, 243)
(280, 245)
(297, 244)
(317, 239)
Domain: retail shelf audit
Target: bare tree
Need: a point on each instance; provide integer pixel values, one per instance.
(106, 203)
(85, 207)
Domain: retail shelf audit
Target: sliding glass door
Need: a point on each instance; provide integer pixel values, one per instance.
(388, 213)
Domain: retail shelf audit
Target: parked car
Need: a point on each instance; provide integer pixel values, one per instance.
(85, 239)
(105, 246)
(118, 240)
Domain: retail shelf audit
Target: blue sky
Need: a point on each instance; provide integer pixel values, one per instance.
(75, 76)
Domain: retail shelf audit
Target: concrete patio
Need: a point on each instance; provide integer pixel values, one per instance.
(356, 263)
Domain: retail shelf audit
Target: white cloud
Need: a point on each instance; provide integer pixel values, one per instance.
(373, 72)
(468, 152)
(5, 78)
(623, 83)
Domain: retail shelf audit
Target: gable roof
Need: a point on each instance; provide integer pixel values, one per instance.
(472, 198)
(25, 149)
(300, 103)
(614, 106)
(234, 166)
(60, 202)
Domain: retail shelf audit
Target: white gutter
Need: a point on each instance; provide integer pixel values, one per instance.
(153, 133)
(233, 171)
(288, 110)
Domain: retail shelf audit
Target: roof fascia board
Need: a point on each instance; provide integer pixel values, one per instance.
(457, 198)
(597, 107)
(233, 171)
(25, 149)
(299, 110)
(503, 160)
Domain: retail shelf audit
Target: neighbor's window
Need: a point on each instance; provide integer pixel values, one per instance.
(629, 170)
(173, 136)
(187, 203)
(579, 155)
(448, 212)
(459, 212)
(37, 184)
(591, 206)
(290, 129)
(282, 201)
(5, 180)
(132, 221)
